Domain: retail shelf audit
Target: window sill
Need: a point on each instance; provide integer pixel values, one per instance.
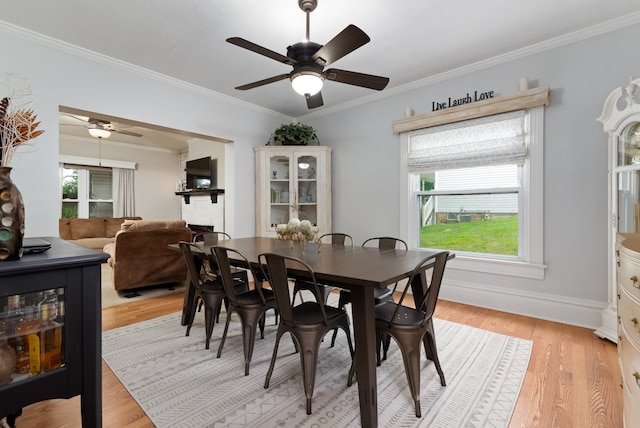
(498, 267)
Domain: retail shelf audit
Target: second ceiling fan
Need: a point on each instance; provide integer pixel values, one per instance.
(308, 60)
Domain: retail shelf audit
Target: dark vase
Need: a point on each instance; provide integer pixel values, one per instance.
(11, 217)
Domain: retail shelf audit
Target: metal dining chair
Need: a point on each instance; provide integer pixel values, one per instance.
(208, 291)
(411, 325)
(250, 306)
(380, 295)
(301, 284)
(307, 322)
(240, 276)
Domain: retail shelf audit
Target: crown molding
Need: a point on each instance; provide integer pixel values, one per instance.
(41, 39)
(556, 42)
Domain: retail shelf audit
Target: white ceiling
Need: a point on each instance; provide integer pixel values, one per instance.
(411, 40)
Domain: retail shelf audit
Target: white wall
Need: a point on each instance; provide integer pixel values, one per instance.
(580, 75)
(67, 76)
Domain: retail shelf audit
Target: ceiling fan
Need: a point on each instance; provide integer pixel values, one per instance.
(99, 125)
(308, 60)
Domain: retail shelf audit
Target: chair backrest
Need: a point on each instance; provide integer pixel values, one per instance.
(210, 238)
(220, 258)
(274, 269)
(387, 243)
(436, 263)
(338, 238)
(188, 249)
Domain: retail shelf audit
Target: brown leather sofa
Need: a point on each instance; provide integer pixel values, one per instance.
(139, 255)
(94, 233)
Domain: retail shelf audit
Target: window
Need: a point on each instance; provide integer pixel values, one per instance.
(476, 192)
(470, 184)
(87, 192)
(471, 210)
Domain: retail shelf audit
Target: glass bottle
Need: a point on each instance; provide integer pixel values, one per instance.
(14, 317)
(60, 320)
(41, 334)
(29, 326)
(22, 356)
(50, 299)
(50, 338)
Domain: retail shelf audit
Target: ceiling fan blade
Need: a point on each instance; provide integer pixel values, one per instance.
(263, 82)
(76, 118)
(260, 50)
(358, 79)
(348, 40)
(314, 101)
(130, 133)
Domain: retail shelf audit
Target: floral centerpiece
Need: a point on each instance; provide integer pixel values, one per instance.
(296, 230)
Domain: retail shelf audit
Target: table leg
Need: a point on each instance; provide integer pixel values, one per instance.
(362, 307)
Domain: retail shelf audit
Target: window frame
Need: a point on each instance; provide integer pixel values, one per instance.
(532, 234)
(84, 199)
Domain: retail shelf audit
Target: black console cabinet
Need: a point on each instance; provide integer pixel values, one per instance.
(77, 270)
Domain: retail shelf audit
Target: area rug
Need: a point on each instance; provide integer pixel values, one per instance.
(111, 297)
(178, 383)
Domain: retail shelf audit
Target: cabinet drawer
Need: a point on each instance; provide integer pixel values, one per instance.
(629, 271)
(630, 368)
(631, 410)
(629, 313)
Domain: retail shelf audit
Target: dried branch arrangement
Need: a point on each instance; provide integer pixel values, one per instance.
(18, 123)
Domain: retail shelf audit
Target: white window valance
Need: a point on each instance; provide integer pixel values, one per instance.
(492, 140)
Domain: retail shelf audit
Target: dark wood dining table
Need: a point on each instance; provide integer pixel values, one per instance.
(357, 269)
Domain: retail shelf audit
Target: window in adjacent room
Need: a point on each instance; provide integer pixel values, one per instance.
(87, 192)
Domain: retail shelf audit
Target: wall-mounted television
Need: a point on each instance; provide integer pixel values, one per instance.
(202, 173)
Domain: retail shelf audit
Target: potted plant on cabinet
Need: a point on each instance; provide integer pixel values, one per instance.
(294, 134)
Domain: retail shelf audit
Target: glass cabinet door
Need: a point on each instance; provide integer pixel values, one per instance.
(280, 189)
(294, 191)
(31, 334)
(306, 202)
(627, 176)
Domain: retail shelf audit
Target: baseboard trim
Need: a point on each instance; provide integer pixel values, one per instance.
(609, 327)
(567, 310)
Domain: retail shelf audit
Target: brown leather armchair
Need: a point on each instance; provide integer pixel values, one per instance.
(140, 256)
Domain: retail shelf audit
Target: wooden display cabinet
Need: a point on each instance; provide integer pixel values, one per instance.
(292, 182)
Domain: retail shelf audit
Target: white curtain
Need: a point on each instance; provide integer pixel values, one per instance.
(123, 190)
(490, 140)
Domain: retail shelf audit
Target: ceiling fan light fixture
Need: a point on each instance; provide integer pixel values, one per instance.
(99, 132)
(307, 82)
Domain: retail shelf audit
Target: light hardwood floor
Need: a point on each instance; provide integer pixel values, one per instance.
(573, 379)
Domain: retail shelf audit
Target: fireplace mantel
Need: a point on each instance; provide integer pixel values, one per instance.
(213, 193)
